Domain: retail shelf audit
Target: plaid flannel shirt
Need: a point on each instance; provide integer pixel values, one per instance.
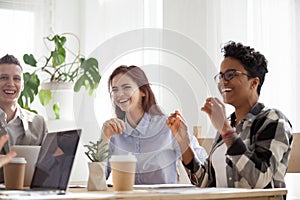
(259, 156)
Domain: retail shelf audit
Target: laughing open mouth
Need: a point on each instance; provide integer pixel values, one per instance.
(226, 90)
(123, 100)
(9, 92)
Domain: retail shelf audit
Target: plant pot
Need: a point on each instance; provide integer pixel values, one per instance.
(96, 180)
(62, 94)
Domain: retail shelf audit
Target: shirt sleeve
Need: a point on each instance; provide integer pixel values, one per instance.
(197, 172)
(200, 152)
(264, 155)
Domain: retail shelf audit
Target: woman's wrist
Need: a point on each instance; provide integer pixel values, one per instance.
(187, 156)
(228, 133)
(104, 136)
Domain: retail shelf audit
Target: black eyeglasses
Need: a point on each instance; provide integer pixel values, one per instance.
(228, 75)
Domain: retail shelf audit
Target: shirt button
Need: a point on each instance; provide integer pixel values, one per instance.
(230, 178)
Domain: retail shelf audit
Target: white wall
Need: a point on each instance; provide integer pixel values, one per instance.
(95, 21)
(178, 68)
(183, 57)
(66, 17)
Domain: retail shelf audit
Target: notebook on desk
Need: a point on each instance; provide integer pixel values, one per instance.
(54, 163)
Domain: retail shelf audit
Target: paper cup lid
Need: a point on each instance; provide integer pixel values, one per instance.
(18, 160)
(123, 158)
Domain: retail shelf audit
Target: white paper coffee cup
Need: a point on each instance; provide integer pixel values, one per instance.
(123, 171)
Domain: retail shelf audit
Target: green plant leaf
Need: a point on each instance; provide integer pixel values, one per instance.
(45, 97)
(59, 40)
(58, 56)
(91, 62)
(79, 83)
(90, 77)
(61, 64)
(97, 152)
(31, 85)
(29, 60)
(56, 110)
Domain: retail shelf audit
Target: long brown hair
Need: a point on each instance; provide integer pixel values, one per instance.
(139, 77)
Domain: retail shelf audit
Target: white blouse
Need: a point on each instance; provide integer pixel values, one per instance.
(219, 164)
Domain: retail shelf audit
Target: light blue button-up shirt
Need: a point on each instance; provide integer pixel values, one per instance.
(155, 148)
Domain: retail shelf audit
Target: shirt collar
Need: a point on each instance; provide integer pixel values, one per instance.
(3, 114)
(141, 128)
(17, 114)
(255, 110)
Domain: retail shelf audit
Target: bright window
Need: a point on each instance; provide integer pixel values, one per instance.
(17, 32)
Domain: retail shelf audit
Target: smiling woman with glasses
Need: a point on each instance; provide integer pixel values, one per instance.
(251, 149)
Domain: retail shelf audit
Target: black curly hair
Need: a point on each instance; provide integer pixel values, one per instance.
(253, 61)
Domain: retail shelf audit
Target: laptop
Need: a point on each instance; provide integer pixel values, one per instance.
(54, 162)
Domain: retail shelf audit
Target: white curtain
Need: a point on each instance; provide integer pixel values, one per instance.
(272, 30)
(270, 26)
(267, 25)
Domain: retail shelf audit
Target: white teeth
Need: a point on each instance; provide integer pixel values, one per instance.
(123, 100)
(226, 90)
(9, 91)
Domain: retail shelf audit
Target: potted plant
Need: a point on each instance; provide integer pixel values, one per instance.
(64, 68)
(97, 153)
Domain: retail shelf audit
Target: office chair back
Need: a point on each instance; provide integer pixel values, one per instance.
(294, 162)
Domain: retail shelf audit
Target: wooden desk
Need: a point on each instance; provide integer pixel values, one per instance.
(189, 193)
(161, 194)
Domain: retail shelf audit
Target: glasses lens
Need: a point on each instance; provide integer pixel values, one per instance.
(229, 75)
(217, 78)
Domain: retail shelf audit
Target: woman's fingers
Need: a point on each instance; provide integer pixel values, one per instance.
(179, 115)
(113, 126)
(171, 122)
(216, 112)
(117, 125)
(175, 122)
(207, 107)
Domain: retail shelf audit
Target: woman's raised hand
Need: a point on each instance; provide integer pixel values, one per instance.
(215, 110)
(177, 125)
(113, 126)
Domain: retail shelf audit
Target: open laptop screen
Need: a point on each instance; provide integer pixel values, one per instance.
(55, 160)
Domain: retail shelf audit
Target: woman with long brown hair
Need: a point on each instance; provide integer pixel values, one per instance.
(139, 128)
